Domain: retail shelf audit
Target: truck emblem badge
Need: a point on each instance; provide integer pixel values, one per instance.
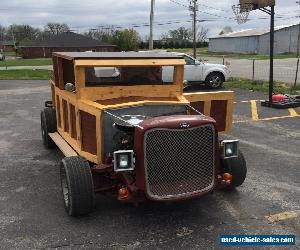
(184, 125)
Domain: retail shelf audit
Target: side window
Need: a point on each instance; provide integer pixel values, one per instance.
(189, 60)
(124, 76)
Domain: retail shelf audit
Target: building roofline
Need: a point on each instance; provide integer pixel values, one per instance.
(252, 32)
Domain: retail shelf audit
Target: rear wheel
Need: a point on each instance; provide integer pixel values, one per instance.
(48, 125)
(77, 185)
(237, 167)
(214, 80)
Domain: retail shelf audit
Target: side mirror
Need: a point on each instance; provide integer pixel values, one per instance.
(70, 87)
(116, 73)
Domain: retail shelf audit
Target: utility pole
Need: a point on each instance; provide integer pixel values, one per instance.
(194, 9)
(151, 25)
(298, 45)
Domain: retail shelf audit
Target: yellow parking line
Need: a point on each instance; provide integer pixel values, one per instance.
(254, 110)
(283, 216)
(293, 112)
(242, 121)
(277, 118)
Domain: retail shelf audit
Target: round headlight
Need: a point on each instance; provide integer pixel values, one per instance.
(229, 151)
(123, 163)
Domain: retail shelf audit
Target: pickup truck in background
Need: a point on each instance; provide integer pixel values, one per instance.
(195, 72)
(198, 72)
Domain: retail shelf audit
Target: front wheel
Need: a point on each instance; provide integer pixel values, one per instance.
(237, 167)
(214, 80)
(77, 185)
(48, 125)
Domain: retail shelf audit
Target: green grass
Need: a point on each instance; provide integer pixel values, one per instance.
(25, 74)
(25, 62)
(203, 52)
(10, 53)
(261, 86)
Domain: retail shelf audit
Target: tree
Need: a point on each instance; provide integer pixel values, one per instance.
(225, 30)
(202, 34)
(20, 33)
(181, 34)
(164, 36)
(2, 33)
(56, 28)
(127, 40)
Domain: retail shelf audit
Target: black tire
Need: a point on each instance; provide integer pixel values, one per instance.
(77, 186)
(214, 80)
(48, 125)
(237, 167)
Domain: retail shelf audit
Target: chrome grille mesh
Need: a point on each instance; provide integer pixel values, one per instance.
(179, 162)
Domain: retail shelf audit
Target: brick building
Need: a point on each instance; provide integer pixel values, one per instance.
(7, 46)
(66, 42)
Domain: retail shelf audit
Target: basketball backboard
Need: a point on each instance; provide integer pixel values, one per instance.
(257, 4)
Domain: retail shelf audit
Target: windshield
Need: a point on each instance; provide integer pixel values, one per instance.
(103, 76)
(189, 60)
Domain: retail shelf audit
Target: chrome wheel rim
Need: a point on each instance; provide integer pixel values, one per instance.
(65, 188)
(215, 81)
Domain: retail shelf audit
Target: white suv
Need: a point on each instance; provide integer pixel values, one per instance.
(195, 72)
(2, 57)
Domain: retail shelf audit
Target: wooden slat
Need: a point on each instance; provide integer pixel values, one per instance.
(178, 77)
(207, 108)
(209, 96)
(104, 93)
(65, 148)
(128, 62)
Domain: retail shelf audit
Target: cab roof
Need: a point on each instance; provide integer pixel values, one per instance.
(116, 55)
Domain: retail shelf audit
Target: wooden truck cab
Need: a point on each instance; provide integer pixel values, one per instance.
(125, 129)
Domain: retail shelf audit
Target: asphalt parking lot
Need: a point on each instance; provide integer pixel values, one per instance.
(32, 215)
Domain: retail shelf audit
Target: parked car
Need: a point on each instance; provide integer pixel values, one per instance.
(2, 57)
(126, 131)
(197, 72)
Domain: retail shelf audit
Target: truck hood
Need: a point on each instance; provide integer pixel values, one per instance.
(215, 65)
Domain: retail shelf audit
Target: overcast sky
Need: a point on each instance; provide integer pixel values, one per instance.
(82, 15)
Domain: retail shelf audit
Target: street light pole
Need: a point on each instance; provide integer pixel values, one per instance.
(151, 25)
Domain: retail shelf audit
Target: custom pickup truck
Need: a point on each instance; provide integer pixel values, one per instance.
(136, 135)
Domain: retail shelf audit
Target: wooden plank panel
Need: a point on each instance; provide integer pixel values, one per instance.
(61, 84)
(207, 108)
(65, 148)
(178, 77)
(79, 77)
(76, 147)
(198, 106)
(208, 96)
(88, 132)
(219, 113)
(99, 134)
(65, 115)
(128, 62)
(73, 121)
(104, 93)
(229, 116)
(58, 113)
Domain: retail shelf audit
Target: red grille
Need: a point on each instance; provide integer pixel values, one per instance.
(179, 162)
